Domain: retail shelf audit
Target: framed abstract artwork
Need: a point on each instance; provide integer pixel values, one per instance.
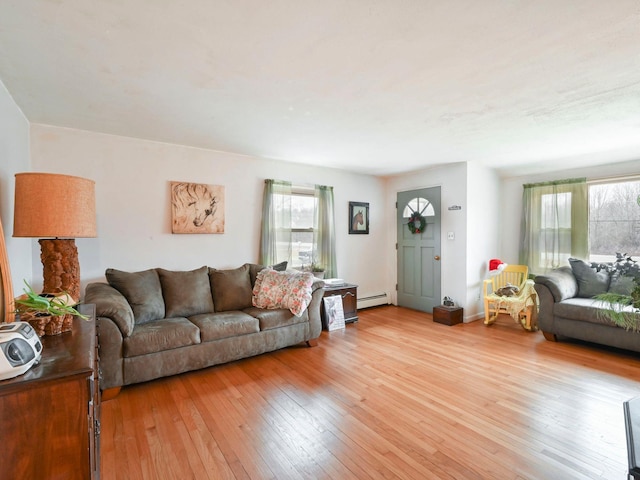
(334, 312)
(358, 217)
(197, 208)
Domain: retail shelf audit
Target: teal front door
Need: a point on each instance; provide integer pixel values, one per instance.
(419, 253)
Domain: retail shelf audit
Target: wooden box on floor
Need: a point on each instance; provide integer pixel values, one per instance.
(447, 315)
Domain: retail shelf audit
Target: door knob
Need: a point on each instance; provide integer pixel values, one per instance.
(437, 258)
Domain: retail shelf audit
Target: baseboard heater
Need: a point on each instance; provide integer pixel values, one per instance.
(373, 300)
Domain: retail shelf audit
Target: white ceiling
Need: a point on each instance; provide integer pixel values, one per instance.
(377, 86)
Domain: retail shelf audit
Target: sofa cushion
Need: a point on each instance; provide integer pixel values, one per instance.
(585, 310)
(142, 290)
(281, 317)
(231, 289)
(215, 326)
(590, 281)
(186, 293)
(283, 290)
(164, 334)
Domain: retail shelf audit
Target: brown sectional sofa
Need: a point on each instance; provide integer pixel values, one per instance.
(157, 322)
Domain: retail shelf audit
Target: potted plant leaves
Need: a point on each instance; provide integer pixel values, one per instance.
(48, 314)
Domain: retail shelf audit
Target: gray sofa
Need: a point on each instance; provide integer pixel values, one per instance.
(158, 322)
(567, 307)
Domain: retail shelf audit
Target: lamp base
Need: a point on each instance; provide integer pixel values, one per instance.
(61, 268)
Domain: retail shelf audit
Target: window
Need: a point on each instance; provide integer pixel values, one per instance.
(420, 205)
(554, 224)
(573, 218)
(298, 226)
(555, 227)
(614, 220)
(303, 207)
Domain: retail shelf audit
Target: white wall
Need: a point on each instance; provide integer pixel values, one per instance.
(133, 208)
(483, 232)
(464, 260)
(511, 202)
(453, 182)
(14, 158)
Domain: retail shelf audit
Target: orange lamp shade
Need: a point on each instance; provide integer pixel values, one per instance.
(50, 205)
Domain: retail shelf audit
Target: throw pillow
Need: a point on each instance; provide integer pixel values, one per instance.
(142, 290)
(231, 289)
(254, 269)
(283, 290)
(186, 293)
(590, 282)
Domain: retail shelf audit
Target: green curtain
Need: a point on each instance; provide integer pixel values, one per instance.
(275, 236)
(324, 231)
(554, 225)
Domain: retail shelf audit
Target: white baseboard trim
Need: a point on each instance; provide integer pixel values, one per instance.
(373, 300)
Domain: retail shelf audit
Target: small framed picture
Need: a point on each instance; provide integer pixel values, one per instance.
(358, 217)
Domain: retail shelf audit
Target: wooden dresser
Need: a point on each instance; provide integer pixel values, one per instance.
(349, 294)
(50, 416)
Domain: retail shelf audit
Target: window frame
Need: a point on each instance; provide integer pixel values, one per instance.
(302, 191)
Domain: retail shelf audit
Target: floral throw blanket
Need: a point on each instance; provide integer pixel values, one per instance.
(282, 290)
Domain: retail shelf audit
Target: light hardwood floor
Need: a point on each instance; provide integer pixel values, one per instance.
(393, 396)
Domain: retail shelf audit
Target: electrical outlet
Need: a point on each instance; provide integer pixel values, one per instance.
(451, 236)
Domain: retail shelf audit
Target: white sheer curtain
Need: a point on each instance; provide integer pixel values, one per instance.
(555, 224)
(324, 231)
(275, 238)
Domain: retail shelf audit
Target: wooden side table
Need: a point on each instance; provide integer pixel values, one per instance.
(349, 294)
(447, 315)
(50, 415)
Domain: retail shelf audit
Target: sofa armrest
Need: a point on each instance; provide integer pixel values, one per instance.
(110, 303)
(317, 284)
(110, 341)
(561, 282)
(545, 308)
(315, 321)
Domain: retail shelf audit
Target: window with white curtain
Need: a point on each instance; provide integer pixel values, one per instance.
(554, 224)
(574, 218)
(298, 226)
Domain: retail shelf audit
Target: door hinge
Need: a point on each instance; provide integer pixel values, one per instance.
(396, 245)
(396, 287)
(396, 205)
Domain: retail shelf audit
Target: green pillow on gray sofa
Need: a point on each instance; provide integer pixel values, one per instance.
(142, 290)
(186, 293)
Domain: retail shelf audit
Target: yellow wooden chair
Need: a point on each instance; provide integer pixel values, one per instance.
(522, 307)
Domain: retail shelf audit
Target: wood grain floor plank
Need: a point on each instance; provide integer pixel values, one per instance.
(393, 396)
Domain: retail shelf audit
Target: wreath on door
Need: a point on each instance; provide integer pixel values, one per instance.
(416, 223)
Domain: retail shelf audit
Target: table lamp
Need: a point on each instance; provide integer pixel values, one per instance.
(56, 209)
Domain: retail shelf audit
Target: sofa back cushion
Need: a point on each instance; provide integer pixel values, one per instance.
(186, 293)
(142, 290)
(231, 289)
(590, 281)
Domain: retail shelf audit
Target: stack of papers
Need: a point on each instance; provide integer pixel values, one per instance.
(332, 282)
